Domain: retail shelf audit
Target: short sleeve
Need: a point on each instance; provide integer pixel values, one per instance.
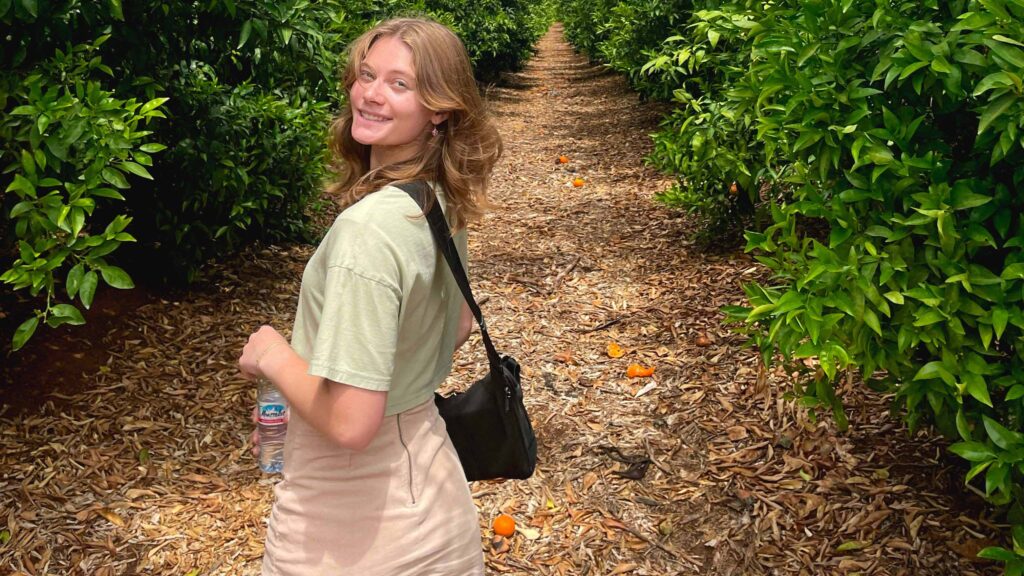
(357, 337)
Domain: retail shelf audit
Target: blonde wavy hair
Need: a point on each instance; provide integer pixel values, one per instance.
(460, 158)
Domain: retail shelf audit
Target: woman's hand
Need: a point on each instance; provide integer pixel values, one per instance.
(260, 343)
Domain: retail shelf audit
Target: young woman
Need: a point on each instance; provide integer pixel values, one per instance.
(372, 484)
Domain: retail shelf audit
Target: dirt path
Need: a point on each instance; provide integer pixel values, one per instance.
(702, 469)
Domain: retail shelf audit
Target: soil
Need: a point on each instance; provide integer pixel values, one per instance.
(61, 359)
(124, 442)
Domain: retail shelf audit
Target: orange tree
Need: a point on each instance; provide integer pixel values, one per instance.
(221, 106)
(884, 141)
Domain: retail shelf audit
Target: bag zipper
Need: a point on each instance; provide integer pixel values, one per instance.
(408, 458)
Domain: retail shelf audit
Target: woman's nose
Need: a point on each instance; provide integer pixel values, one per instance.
(371, 90)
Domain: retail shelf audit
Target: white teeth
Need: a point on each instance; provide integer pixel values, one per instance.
(373, 117)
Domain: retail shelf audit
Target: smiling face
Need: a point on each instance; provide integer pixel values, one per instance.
(387, 114)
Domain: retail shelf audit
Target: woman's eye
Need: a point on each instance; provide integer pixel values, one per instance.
(402, 84)
(365, 75)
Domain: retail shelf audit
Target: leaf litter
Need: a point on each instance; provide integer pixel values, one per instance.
(701, 468)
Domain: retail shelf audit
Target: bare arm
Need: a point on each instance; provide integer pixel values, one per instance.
(466, 322)
(347, 415)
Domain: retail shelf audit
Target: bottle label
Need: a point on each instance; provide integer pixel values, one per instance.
(272, 414)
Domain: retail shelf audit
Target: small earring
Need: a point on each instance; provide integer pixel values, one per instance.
(434, 131)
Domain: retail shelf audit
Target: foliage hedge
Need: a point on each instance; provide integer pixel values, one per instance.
(220, 106)
(883, 141)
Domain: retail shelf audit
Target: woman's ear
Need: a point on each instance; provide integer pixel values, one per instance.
(438, 118)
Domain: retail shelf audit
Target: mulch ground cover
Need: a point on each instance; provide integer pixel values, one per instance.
(702, 468)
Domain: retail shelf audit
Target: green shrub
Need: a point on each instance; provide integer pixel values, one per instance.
(242, 165)
(885, 140)
(708, 140)
(498, 34)
(586, 23)
(68, 147)
(634, 34)
(895, 130)
(247, 87)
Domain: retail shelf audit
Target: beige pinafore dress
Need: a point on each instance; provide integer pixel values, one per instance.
(397, 508)
(378, 310)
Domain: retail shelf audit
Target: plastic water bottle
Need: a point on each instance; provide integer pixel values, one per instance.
(273, 423)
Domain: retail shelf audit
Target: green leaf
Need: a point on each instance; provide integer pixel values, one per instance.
(116, 277)
(87, 290)
(20, 208)
(152, 148)
(244, 35)
(911, 69)
(23, 184)
(941, 65)
(115, 10)
(72, 314)
(31, 6)
(107, 193)
(149, 107)
(74, 280)
(995, 80)
(1011, 54)
(976, 469)
(985, 332)
(933, 369)
(928, 317)
(114, 177)
(1013, 271)
(997, 553)
(995, 110)
(976, 387)
(973, 451)
(871, 319)
(24, 332)
(1015, 392)
(963, 198)
(1000, 316)
(962, 427)
(760, 312)
(894, 297)
(713, 37)
(136, 169)
(1002, 38)
(1000, 436)
(995, 478)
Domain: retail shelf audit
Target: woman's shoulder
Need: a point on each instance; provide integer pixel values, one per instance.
(386, 203)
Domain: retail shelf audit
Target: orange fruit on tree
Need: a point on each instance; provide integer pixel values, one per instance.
(577, 182)
(563, 159)
(504, 525)
(734, 189)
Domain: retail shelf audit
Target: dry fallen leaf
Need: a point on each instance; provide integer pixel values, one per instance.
(499, 545)
(528, 533)
(623, 568)
(564, 357)
(736, 433)
(111, 516)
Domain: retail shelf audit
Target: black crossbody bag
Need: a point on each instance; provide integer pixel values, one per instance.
(487, 423)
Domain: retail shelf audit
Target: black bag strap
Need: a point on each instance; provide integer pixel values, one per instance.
(422, 193)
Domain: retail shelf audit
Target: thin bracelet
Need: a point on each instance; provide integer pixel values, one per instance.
(267, 351)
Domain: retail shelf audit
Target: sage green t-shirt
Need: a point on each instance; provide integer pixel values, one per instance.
(378, 308)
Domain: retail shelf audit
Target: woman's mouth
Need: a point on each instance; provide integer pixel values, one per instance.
(372, 117)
